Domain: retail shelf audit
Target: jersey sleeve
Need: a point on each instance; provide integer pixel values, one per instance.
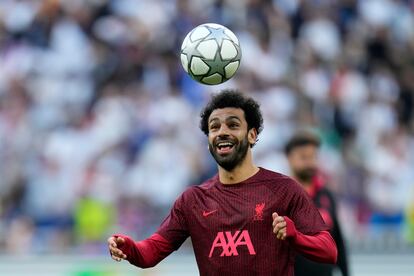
(319, 247)
(174, 228)
(304, 213)
(146, 253)
(168, 238)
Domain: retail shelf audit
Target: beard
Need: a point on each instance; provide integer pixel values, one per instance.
(306, 174)
(233, 159)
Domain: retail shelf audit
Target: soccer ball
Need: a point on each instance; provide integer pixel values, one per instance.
(210, 53)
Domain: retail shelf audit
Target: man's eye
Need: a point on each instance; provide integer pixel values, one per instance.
(213, 127)
(233, 125)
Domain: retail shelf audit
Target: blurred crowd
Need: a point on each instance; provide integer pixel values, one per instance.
(99, 122)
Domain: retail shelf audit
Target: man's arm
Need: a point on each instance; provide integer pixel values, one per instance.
(143, 254)
(319, 247)
(149, 252)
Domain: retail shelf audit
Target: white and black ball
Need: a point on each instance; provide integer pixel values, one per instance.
(211, 53)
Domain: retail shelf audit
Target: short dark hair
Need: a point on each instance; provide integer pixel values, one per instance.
(302, 138)
(233, 98)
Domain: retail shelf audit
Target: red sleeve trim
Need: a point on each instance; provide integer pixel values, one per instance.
(290, 228)
(146, 253)
(320, 247)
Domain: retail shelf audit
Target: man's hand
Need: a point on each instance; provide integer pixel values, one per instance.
(279, 226)
(113, 245)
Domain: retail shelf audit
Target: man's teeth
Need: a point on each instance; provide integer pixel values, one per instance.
(224, 144)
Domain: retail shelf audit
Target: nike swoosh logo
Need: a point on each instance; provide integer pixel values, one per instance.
(205, 214)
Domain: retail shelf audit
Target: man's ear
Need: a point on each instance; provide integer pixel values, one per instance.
(252, 136)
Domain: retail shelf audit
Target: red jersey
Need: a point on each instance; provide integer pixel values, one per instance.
(231, 225)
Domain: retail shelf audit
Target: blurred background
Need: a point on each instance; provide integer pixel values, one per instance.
(99, 122)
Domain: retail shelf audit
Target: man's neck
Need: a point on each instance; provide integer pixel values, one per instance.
(240, 173)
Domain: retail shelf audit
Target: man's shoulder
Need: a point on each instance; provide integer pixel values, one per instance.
(200, 188)
(276, 180)
(326, 192)
(207, 184)
(325, 197)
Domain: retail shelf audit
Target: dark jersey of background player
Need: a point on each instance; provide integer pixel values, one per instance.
(302, 151)
(245, 220)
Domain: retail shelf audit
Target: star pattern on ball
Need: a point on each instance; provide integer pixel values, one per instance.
(191, 50)
(218, 34)
(217, 64)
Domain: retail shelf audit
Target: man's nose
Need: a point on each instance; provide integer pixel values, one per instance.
(223, 131)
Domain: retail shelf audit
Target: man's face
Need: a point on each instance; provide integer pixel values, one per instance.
(303, 161)
(228, 138)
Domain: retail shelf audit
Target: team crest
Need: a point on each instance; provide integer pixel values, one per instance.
(259, 211)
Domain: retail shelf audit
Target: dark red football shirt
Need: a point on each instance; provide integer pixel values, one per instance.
(231, 225)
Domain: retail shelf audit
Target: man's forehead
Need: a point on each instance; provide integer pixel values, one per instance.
(225, 113)
(305, 148)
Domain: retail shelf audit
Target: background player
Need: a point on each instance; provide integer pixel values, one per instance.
(302, 153)
(245, 220)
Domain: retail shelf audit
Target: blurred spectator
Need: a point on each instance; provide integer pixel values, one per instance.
(302, 153)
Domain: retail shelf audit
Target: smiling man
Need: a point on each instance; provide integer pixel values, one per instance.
(245, 220)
